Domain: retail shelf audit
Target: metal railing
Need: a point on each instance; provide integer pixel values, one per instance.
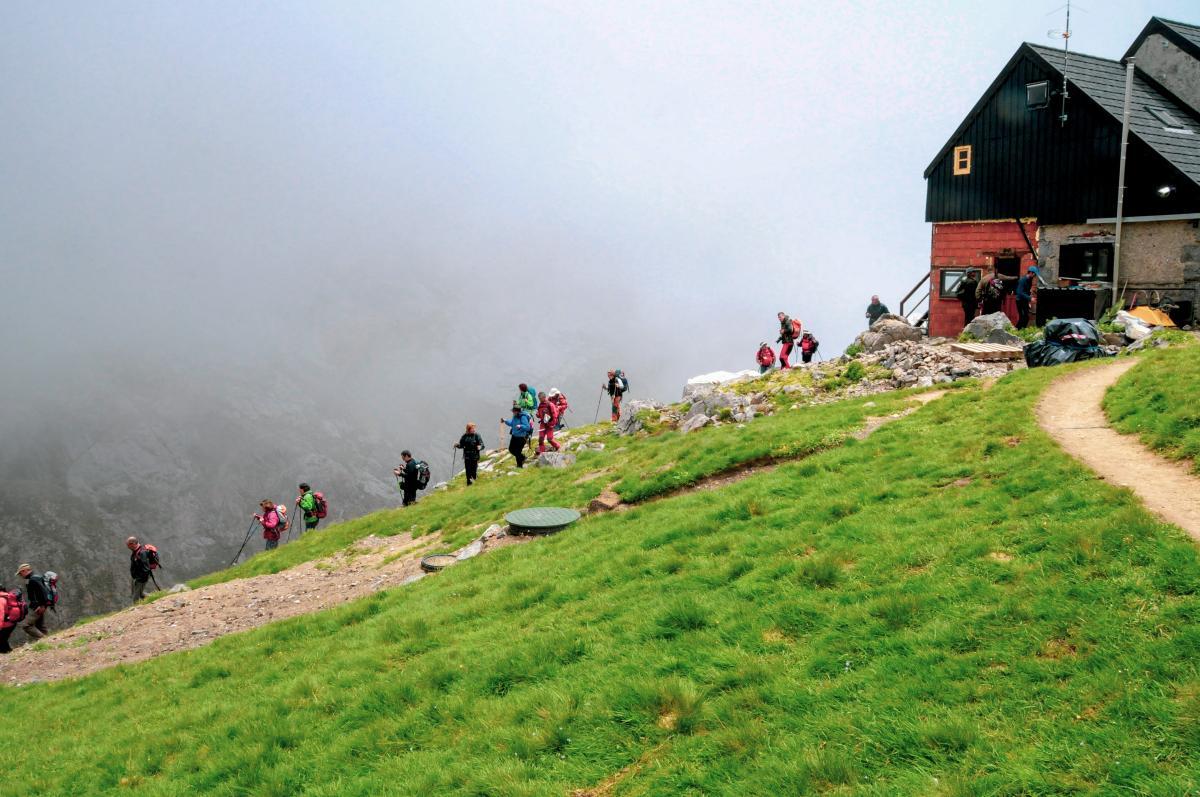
(907, 311)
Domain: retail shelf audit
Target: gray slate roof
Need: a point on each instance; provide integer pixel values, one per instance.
(1189, 32)
(1103, 80)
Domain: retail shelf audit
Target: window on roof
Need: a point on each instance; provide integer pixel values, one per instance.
(1037, 95)
(1169, 122)
(962, 160)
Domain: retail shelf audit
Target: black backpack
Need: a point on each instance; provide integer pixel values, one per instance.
(422, 474)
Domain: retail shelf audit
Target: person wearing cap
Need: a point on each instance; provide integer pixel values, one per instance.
(471, 444)
(1025, 288)
(520, 431)
(39, 601)
(139, 568)
(560, 403)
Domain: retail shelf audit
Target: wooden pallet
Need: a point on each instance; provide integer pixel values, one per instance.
(988, 352)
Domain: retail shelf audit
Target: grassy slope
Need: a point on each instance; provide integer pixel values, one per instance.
(1158, 401)
(640, 468)
(849, 623)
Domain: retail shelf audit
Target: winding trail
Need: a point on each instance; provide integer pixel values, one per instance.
(1071, 412)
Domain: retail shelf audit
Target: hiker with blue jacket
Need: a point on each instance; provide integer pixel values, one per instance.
(521, 430)
(1025, 286)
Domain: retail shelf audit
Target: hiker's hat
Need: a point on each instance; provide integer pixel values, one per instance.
(24, 567)
(553, 392)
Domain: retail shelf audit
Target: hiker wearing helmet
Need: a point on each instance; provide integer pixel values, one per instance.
(560, 403)
(547, 416)
(471, 444)
(1025, 287)
(142, 561)
(12, 612)
(273, 523)
(40, 598)
(407, 475)
(616, 387)
(874, 310)
(520, 430)
(787, 338)
(309, 508)
(765, 357)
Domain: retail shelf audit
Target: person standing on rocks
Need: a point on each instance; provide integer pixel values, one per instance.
(142, 561)
(471, 444)
(273, 524)
(968, 287)
(765, 357)
(1025, 288)
(787, 339)
(547, 417)
(874, 310)
(520, 430)
(407, 474)
(616, 387)
(560, 403)
(40, 600)
(307, 501)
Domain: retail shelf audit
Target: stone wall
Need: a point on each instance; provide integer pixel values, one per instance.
(1171, 67)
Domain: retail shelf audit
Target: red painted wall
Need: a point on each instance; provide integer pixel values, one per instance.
(975, 244)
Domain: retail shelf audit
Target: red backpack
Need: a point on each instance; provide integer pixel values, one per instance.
(797, 328)
(152, 556)
(15, 608)
(320, 506)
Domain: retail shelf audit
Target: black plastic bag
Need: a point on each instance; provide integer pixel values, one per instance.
(1077, 332)
(1047, 352)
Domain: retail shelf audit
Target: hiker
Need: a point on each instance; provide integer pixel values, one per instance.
(547, 416)
(274, 523)
(1025, 288)
(406, 472)
(471, 444)
(788, 332)
(616, 387)
(874, 310)
(143, 559)
(968, 287)
(521, 429)
(40, 594)
(808, 346)
(312, 506)
(765, 357)
(560, 403)
(12, 612)
(526, 398)
(991, 291)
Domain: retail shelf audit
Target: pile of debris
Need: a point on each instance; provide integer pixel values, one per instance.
(925, 364)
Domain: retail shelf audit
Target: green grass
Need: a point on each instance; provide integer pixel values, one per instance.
(1158, 400)
(950, 607)
(640, 467)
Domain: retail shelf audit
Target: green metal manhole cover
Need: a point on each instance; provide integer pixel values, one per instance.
(541, 519)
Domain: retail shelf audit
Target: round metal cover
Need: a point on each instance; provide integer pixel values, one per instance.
(541, 519)
(437, 561)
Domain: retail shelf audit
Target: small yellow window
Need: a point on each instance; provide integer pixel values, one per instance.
(962, 160)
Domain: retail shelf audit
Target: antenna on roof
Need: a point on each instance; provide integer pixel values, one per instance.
(1065, 35)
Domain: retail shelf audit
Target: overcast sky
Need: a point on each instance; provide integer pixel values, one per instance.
(449, 197)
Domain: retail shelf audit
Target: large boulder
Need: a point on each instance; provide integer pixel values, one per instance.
(694, 422)
(1003, 337)
(628, 422)
(888, 329)
(555, 459)
(983, 325)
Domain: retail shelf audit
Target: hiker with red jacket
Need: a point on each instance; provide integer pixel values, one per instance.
(789, 330)
(560, 403)
(765, 357)
(273, 523)
(41, 600)
(312, 507)
(808, 347)
(547, 417)
(143, 559)
(12, 612)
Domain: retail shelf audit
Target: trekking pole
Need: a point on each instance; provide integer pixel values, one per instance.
(598, 402)
(249, 531)
(453, 456)
(155, 580)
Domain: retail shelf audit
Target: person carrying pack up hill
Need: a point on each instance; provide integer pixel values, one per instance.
(765, 357)
(617, 387)
(413, 475)
(547, 417)
(274, 523)
(520, 430)
(42, 593)
(313, 507)
(13, 610)
(560, 403)
(471, 444)
(143, 561)
(526, 398)
(787, 338)
(808, 347)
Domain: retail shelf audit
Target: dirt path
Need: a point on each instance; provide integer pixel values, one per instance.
(190, 619)
(1071, 412)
